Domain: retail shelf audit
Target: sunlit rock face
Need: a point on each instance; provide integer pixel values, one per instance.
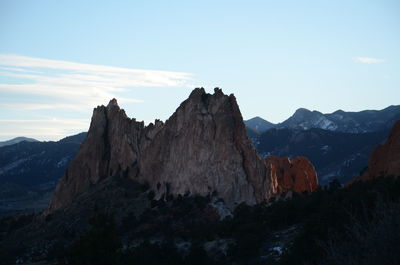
(296, 175)
(201, 149)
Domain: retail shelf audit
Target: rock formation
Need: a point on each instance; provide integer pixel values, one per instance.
(201, 149)
(385, 159)
(297, 175)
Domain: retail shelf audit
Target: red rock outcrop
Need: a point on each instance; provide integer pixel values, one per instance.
(297, 175)
(202, 148)
(385, 159)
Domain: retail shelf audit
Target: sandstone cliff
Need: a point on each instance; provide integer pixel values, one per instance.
(297, 175)
(385, 159)
(201, 149)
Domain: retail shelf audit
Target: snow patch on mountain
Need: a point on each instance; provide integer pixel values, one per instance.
(13, 165)
(325, 149)
(326, 124)
(62, 162)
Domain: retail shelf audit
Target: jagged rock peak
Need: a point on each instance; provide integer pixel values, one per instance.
(113, 102)
(200, 91)
(201, 149)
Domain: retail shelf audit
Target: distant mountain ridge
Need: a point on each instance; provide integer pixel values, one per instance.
(35, 163)
(258, 124)
(29, 171)
(17, 140)
(338, 121)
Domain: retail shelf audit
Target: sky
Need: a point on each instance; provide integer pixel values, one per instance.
(60, 59)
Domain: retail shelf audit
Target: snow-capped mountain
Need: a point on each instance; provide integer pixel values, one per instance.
(342, 121)
(306, 119)
(339, 121)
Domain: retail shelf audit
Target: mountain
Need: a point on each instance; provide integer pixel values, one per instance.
(338, 121)
(334, 154)
(29, 172)
(341, 121)
(258, 125)
(186, 174)
(202, 149)
(77, 138)
(17, 140)
(35, 163)
(120, 200)
(338, 144)
(305, 119)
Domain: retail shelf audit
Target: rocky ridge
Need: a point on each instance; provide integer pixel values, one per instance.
(201, 149)
(297, 175)
(385, 159)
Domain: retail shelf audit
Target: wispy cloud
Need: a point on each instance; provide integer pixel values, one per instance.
(46, 129)
(32, 86)
(368, 60)
(78, 84)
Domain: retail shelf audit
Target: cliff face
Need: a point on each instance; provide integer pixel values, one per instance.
(385, 159)
(201, 149)
(297, 175)
(110, 148)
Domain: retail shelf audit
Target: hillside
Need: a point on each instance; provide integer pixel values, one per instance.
(29, 172)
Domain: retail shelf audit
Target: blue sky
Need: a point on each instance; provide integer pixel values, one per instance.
(59, 59)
